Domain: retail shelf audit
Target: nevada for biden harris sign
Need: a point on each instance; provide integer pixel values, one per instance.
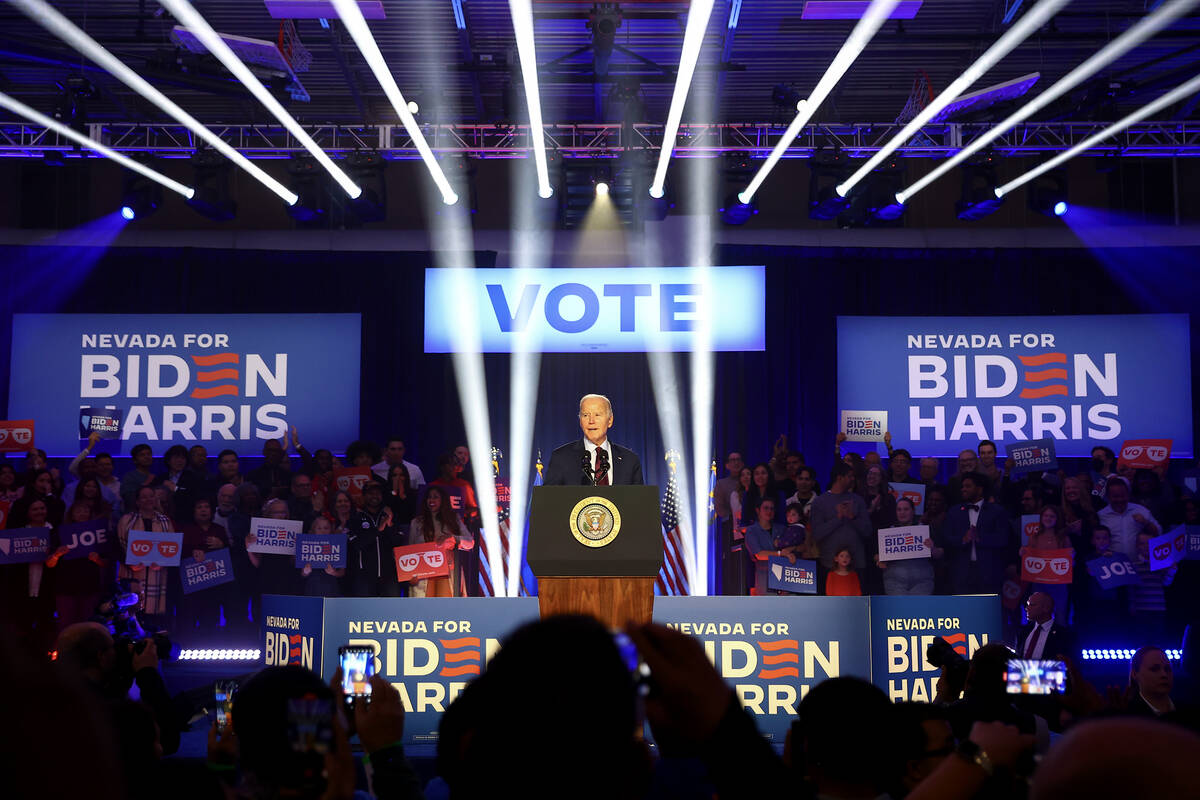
(632, 309)
(1083, 381)
(223, 380)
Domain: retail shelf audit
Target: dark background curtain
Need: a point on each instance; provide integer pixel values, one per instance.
(789, 388)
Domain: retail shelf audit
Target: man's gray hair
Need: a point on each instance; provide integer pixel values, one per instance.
(587, 397)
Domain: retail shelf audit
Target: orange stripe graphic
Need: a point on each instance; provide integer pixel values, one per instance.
(225, 375)
(465, 655)
(214, 391)
(1046, 375)
(216, 358)
(782, 658)
(1045, 391)
(471, 641)
(1044, 359)
(785, 672)
(470, 669)
(780, 645)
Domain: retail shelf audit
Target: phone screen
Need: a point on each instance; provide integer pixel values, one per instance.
(1035, 677)
(358, 665)
(310, 725)
(633, 661)
(223, 692)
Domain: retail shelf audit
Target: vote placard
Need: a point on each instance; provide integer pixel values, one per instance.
(1113, 571)
(85, 538)
(274, 536)
(1035, 455)
(913, 491)
(1144, 453)
(1047, 566)
(104, 421)
(351, 480)
(1029, 528)
(215, 569)
(16, 435)
(798, 578)
(417, 561)
(156, 549)
(904, 542)
(864, 426)
(24, 545)
(321, 550)
(5, 507)
(1168, 549)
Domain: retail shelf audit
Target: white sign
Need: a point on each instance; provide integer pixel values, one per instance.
(864, 426)
(898, 544)
(274, 536)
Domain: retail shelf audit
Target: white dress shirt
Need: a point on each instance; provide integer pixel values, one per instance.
(606, 446)
(973, 518)
(1125, 528)
(1038, 636)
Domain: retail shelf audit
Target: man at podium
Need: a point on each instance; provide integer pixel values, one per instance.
(594, 460)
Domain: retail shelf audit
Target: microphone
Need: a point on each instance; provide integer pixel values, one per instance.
(587, 468)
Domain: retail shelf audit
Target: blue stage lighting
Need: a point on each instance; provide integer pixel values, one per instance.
(735, 212)
(128, 213)
(1060, 208)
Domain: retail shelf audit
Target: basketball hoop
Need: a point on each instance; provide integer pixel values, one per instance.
(919, 97)
(291, 48)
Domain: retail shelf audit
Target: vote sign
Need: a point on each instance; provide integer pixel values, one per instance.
(321, 551)
(1113, 571)
(1037, 455)
(274, 536)
(1047, 566)
(215, 569)
(417, 561)
(912, 491)
(85, 538)
(1168, 549)
(798, 578)
(351, 480)
(16, 435)
(5, 507)
(24, 545)
(1144, 453)
(904, 542)
(1029, 527)
(157, 549)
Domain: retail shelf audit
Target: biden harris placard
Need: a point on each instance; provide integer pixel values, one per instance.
(585, 310)
(1082, 381)
(222, 380)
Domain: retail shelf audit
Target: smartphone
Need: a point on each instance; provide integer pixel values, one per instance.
(1035, 677)
(223, 692)
(310, 725)
(358, 665)
(633, 661)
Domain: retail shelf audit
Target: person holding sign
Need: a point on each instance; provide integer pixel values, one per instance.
(150, 582)
(326, 581)
(438, 524)
(910, 575)
(79, 582)
(202, 536)
(276, 573)
(1125, 519)
(1051, 535)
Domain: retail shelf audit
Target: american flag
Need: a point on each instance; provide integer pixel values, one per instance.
(672, 577)
(486, 572)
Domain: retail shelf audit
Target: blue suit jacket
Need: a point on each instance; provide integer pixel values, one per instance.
(566, 466)
(994, 548)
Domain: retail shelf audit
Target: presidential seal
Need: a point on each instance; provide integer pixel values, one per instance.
(595, 521)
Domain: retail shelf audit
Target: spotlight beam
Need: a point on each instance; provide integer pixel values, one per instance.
(1143, 30)
(693, 39)
(48, 17)
(17, 107)
(356, 25)
(1025, 27)
(183, 11)
(1181, 92)
(522, 19)
(870, 23)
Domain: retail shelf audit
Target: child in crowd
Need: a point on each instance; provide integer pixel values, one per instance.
(843, 581)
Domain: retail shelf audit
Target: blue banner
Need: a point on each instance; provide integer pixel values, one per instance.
(1113, 571)
(903, 627)
(104, 421)
(24, 545)
(85, 538)
(320, 550)
(291, 631)
(772, 650)
(429, 649)
(1037, 455)
(1193, 541)
(222, 380)
(798, 578)
(586, 310)
(215, 569)
(1084, 381)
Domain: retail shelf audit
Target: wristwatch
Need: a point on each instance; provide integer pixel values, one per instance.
(974, 754)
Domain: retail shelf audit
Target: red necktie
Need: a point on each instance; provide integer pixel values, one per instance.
(601, 476)
(1033, 638)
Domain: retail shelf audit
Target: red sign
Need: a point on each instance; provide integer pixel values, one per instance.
(16, 435)
(1010, 595)
(1144, 453)
(168, 549)
(141, 547)
(1047, 566)
(351, 479)
(416, 561)
(5, 507)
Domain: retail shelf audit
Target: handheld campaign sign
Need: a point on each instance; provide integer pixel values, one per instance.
(85, 538)
(24, 545)
(913, 491)
(1037, 455)
(1169, 548)
(798, 578)
(16, 435)
(321, 550)
(1047, 566)
(1029, 528)
(905, 542)
(157, 549)
(1113, 571)
(215, 569)
(1193, 541)
(5, 507)
(1144, 453)
(274, 536)
(104, 421)
(417, 561)
(864, 426)
(351, 480)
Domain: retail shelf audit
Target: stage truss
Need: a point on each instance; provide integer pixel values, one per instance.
(1163, 139)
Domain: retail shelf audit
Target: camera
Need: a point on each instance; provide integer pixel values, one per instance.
(118, 612)
(942, 655)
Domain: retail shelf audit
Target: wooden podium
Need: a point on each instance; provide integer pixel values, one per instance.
(578, 571)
